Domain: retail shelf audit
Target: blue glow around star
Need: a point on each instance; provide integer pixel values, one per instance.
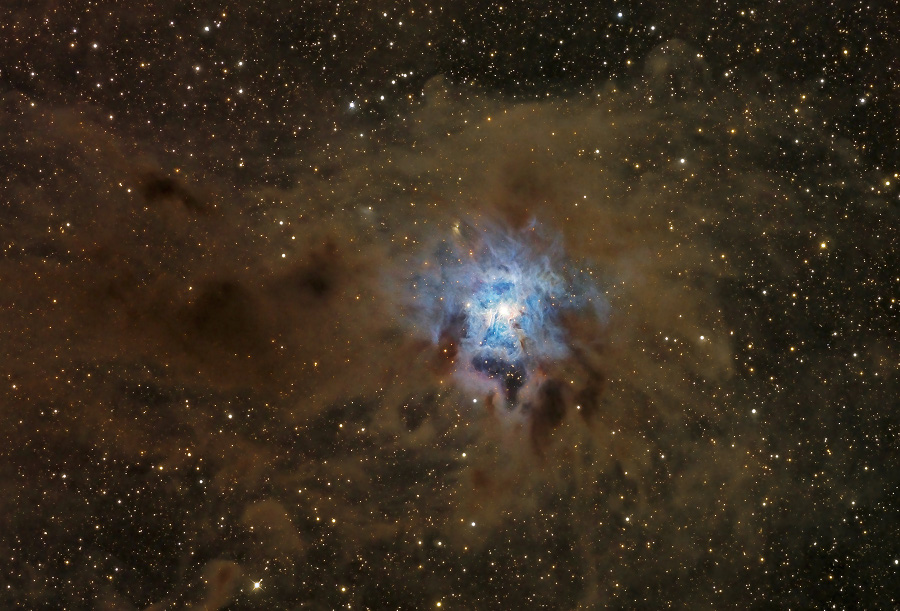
(499, 295)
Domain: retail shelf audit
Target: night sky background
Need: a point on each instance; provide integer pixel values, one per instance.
(218, 386)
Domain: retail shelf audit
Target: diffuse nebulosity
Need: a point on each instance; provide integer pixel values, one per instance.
(494, 299)
(279, 416)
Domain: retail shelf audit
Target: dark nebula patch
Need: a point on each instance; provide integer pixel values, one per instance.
(460, 306)
(156, 188)
(511, 376)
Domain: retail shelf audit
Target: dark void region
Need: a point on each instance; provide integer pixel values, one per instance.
(511, 375)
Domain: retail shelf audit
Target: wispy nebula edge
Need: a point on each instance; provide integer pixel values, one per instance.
(494, 300)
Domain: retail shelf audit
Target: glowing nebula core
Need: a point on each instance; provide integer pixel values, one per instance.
(496, 298)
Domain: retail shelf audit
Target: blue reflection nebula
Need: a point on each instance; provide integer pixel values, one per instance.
(499, 295)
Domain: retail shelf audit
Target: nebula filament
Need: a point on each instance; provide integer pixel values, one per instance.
(497, 299)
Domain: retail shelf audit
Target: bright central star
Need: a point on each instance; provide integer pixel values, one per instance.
(497, 296)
